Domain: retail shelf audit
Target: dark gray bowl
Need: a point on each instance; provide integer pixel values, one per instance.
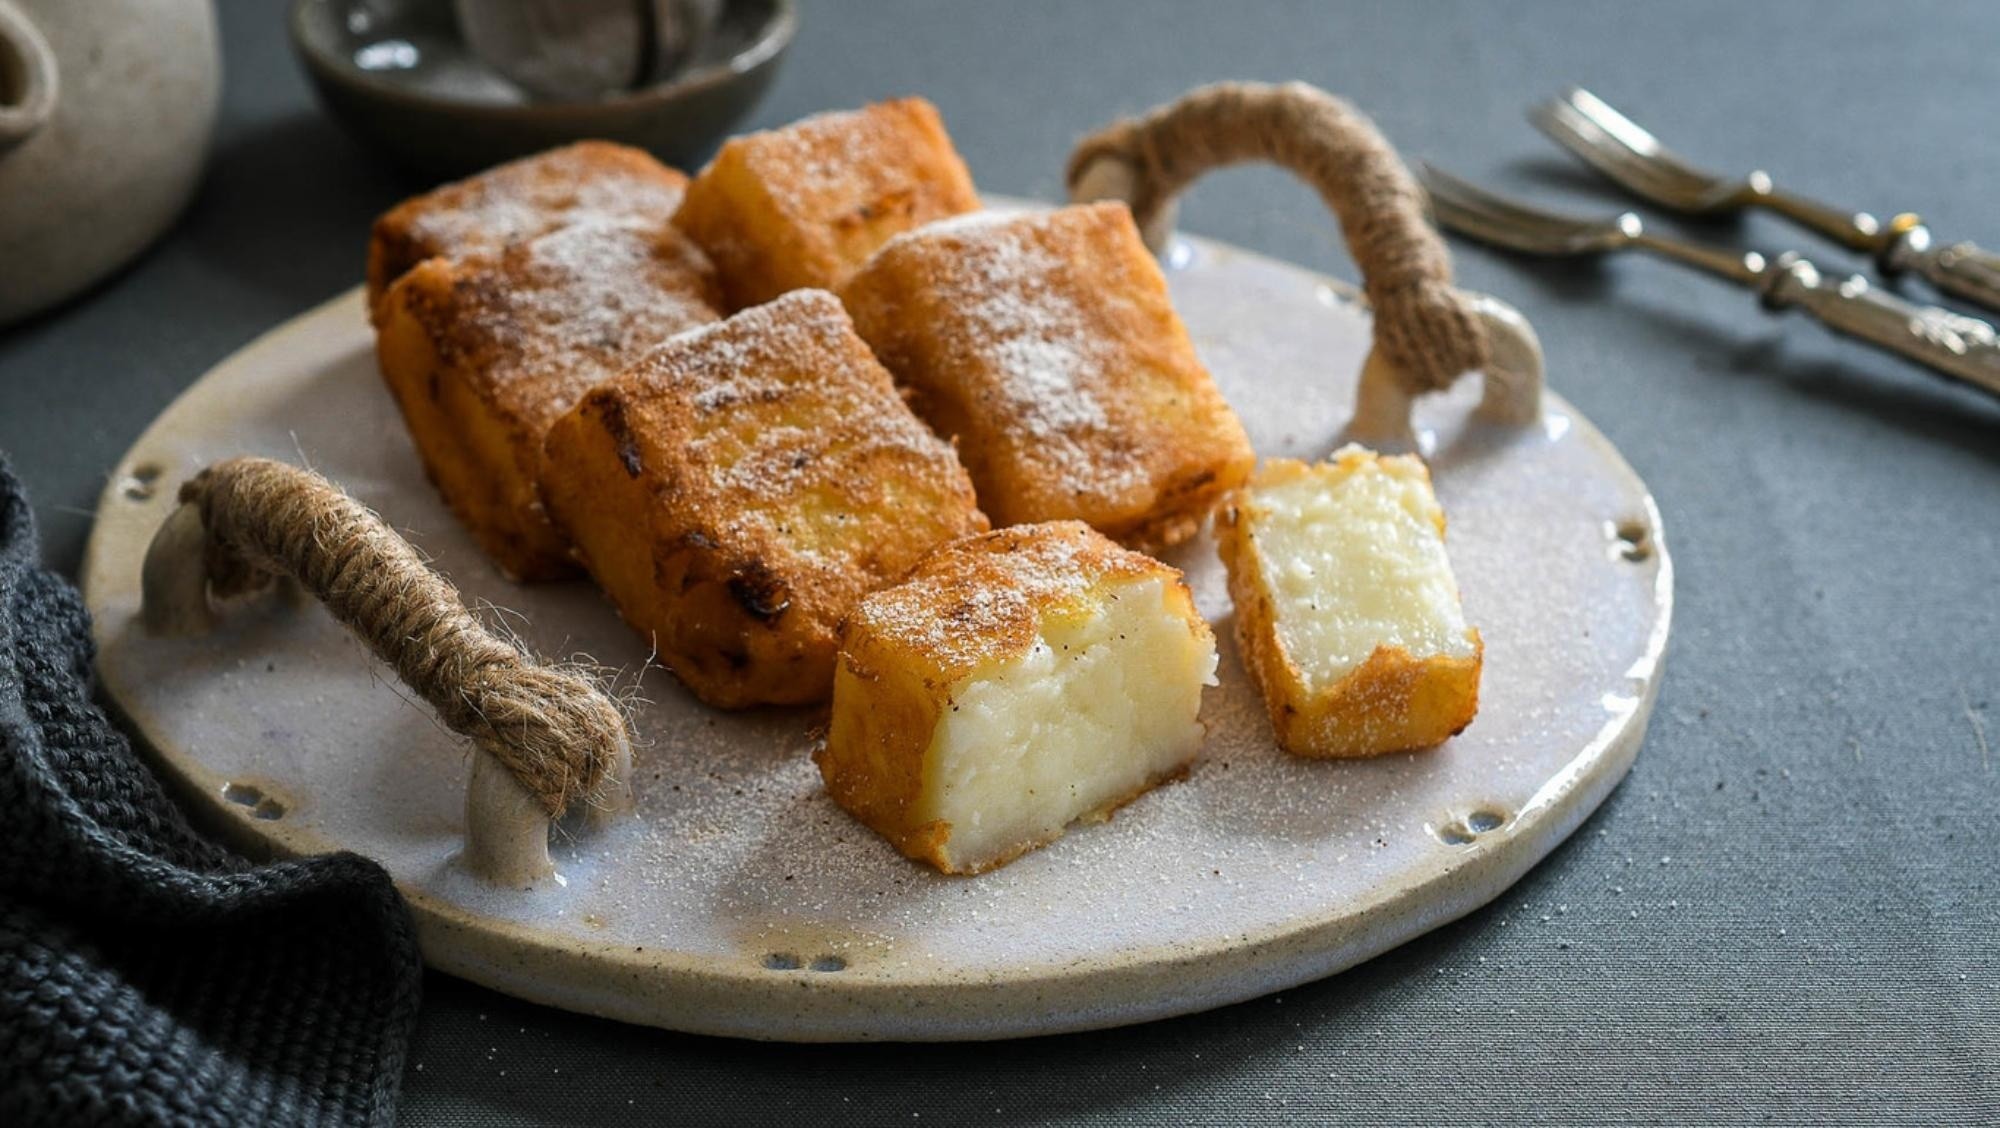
(396, 73)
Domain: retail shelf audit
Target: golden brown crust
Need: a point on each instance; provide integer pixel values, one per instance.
(984, 599)
(483, 352)
(873, 758)
(804, 205)
(740, 489)
(589, 181)
(1392, 702)
(968, 604)
(1047, 344)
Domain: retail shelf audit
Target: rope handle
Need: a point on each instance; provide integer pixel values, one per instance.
(1427, 332)
(560, 740)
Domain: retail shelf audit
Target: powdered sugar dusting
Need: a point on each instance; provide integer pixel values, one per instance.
(566, 310)
(980, 599)
(954, 225)
(841, 159)
(521, 200)
(737, 853)
(799, 350)
(724, 353)
(1011, 313)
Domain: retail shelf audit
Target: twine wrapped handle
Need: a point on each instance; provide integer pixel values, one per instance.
(555, 733)
(1428, 332)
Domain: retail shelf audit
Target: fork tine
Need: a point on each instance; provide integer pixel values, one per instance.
(1617, 130)
(1607, 118)
(1464, 194)
(1619, 148)
(1473, 210)
(1609, 155)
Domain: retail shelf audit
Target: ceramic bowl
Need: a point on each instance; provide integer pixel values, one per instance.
(398, 75)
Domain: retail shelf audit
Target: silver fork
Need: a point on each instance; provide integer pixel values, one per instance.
(1964, 348)
(1621, 149)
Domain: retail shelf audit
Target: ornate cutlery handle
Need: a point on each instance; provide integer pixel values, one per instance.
(1960, 269)
(1965, 348)
(1855, 230)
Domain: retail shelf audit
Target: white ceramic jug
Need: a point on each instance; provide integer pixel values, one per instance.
(106, 108)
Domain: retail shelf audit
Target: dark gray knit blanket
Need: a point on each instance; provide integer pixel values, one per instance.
(147, 975)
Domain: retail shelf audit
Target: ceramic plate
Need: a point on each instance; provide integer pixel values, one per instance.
(741, 901)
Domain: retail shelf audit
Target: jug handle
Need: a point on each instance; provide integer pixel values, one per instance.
(25, 54)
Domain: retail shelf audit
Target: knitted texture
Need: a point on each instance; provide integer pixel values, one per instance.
(147, 975)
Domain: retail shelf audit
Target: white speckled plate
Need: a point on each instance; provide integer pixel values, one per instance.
(741, 901)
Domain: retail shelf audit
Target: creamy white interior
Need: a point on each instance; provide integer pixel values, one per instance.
(1353, 561)
(1095, 710)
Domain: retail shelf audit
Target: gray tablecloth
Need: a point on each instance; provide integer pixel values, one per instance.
(1788, 910)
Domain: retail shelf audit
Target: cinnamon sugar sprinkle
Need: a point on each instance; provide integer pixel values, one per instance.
(565, 311)
(1013, 309)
